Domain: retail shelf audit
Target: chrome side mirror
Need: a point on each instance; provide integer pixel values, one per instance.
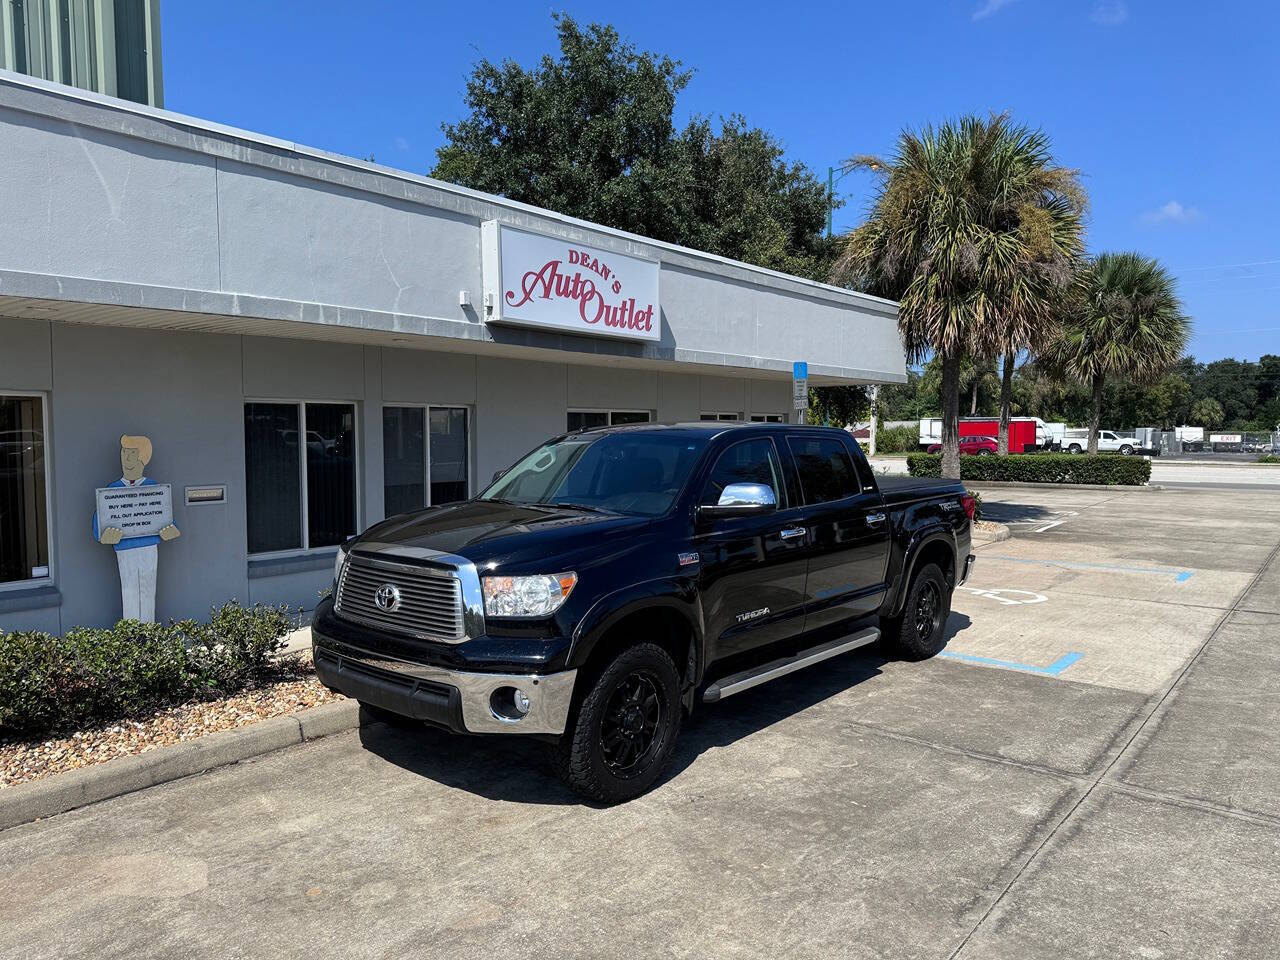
(742, 499)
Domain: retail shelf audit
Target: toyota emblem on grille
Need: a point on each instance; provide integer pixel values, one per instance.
(387, 598)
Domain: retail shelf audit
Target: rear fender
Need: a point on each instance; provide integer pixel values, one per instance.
(934, 533)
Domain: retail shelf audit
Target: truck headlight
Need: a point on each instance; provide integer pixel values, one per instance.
(338, 561)
(536, 596)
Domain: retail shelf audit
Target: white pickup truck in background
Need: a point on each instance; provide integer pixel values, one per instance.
(1077, 441)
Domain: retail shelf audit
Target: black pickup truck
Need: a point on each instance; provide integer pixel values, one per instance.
(615, 578)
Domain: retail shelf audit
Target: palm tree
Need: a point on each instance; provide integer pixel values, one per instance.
(1126, 321)
(974, 231)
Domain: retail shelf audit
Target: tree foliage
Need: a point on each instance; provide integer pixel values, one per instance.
(976, 231)
(590, 133)
(1126, 322)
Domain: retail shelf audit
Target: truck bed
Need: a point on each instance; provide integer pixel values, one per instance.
(901, 490)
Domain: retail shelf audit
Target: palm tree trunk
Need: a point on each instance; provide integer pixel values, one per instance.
(951, 416)
(973, 402)
(1006, 400)
(1095, 421)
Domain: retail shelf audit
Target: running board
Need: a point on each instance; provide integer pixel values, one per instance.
(747, 679)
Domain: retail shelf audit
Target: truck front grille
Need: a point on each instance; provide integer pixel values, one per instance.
(422, 602)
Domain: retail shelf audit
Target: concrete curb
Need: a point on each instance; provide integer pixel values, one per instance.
(76, 788)
(1109, 487)
(992, 536)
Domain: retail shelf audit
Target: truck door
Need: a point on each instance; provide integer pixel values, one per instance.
(848, 532)
(752, 567)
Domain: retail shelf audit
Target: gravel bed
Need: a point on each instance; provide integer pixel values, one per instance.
(987, 526)
(24, 761)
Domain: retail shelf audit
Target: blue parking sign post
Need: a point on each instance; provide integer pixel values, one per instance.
(800, 389)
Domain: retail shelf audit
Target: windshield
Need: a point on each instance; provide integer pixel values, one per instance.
(629, 473)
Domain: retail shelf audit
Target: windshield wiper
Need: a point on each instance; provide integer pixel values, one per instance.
(577, 506)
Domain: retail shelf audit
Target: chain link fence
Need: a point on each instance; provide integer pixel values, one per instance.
(1223, 445)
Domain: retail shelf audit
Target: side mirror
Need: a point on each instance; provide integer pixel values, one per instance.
(742, 500)
(497, 474)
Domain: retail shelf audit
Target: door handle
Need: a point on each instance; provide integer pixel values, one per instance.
(875, 519)
(792, 532)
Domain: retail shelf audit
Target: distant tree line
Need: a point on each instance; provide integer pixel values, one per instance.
(1224, 394)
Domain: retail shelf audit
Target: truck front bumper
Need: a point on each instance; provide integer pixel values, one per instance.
(462, 701)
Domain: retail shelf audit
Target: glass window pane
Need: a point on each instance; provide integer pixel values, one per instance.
(449, 465)
(583, 419)
(825, 470)
(404, 459)
(628, 416)
(273, 492)
(331, 473)
(753, 461)
(24, 519)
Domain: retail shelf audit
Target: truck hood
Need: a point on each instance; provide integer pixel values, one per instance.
(504, 534)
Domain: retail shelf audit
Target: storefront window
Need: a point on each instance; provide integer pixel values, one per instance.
(24, 516)
(420, 443)
(585, 419)
(280, 508)
(721, 416)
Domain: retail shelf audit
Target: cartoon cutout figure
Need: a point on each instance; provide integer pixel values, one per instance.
(136, 556)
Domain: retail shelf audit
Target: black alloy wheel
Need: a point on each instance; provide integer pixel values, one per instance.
(630, 724)
(928, 609)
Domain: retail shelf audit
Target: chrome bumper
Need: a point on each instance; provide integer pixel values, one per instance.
(968, 569)
(549, 694)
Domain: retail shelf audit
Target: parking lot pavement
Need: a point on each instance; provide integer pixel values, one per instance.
(1089, 770)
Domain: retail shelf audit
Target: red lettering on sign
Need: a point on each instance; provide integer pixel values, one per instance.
(549, 282)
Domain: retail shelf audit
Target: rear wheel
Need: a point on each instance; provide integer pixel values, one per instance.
(1126, 450)
(621, 737)
(1074, 448)
(919, 631)
(984, 453)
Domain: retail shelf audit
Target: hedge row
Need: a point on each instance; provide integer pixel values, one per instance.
(1040, 468)
(96, 675)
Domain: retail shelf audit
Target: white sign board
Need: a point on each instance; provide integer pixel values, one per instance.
(138, 511)
(1226, 438)
(537, 281)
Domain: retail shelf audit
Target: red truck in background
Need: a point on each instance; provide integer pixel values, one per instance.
(1026, 434)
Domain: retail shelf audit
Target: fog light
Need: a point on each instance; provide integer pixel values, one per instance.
(509, 704)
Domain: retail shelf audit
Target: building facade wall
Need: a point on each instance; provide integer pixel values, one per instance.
(186, 391)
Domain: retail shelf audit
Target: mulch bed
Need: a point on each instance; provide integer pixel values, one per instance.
(24, 761)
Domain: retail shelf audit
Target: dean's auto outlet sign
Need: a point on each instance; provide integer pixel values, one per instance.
(537, 281)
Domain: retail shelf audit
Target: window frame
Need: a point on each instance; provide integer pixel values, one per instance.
(51, 577)
(426, 409)
(782, 494)
(609, 414)
(722, 416)
(857, 490)
(306, 550)
(768, 418)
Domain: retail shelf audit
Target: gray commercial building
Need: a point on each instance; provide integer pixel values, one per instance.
(313, 342)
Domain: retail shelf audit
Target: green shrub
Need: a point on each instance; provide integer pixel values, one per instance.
(897, 440)
(1040, 468)
(99, 674)
(1269, 458)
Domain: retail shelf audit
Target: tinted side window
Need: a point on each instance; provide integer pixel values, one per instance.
(826, 472)
(752, 461)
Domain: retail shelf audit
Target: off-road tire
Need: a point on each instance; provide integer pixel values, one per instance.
(579, 756)
(904, 634)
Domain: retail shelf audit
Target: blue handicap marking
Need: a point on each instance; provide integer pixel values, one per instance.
(1181, 576)
(1053, 670)
(800, 370)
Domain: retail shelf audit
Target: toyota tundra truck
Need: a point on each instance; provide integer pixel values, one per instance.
(616, 579)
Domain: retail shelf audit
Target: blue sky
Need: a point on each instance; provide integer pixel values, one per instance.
(1168, 107)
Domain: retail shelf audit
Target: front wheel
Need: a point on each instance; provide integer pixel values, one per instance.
(919, 631)
(621, 737)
